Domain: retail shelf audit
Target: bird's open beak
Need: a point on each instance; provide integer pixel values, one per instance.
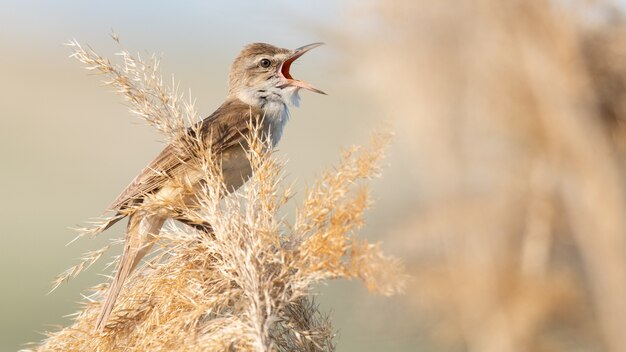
(284, 69)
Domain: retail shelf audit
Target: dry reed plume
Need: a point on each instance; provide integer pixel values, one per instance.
(512, 116)
(245, 286)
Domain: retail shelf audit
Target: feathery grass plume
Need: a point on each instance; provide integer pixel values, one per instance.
(512, 115)
(149, 98)
(245, 285)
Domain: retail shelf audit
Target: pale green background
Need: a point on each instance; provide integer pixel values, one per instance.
(68, 146)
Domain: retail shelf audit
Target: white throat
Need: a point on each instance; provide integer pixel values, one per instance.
(275, 104)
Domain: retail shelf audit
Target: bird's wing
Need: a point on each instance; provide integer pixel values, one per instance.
(226, 127)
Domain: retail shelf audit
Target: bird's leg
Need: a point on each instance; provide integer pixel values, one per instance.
(200, 226)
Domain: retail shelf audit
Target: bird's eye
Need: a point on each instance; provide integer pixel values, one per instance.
(265, 63)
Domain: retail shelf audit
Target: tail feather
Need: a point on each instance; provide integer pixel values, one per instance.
(140, 235)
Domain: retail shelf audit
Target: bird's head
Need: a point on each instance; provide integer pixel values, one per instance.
(260, 74)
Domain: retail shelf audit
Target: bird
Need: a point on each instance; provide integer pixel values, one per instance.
(259, 84)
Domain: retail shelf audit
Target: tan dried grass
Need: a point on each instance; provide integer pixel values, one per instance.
(511, 113)
(244, 286)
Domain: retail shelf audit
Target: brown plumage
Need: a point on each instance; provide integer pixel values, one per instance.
(260, 87)
(222, 130)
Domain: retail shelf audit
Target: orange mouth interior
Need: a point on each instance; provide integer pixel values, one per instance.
(285, 68)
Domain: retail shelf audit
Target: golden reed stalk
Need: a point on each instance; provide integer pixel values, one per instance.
(245, 286)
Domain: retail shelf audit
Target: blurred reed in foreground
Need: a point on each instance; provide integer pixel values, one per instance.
(512, 117)
(245, 284)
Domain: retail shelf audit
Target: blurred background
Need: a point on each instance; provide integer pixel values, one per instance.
(504, 191)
